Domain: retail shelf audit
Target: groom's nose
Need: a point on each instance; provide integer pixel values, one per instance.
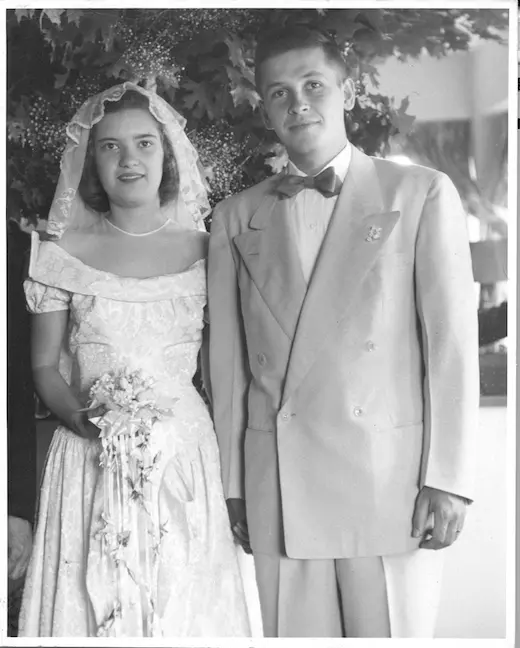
(299, 104)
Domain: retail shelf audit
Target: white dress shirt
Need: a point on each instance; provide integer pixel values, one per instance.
(310, 213)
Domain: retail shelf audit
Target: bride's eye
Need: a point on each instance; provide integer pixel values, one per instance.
(146, 143)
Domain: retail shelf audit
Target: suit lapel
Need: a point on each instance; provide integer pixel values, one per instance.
(269, 252)
(358, 229)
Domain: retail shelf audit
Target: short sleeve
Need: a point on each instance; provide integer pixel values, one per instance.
(45, 299)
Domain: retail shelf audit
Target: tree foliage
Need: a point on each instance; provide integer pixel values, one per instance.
(200, 60)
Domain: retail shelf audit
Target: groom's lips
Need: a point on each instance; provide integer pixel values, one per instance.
(301, 125)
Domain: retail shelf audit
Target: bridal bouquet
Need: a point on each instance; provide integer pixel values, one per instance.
(131, 408)
(129, 464)
(129, 400)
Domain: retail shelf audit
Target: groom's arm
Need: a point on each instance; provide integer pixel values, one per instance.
(447, 312)
(227, 354)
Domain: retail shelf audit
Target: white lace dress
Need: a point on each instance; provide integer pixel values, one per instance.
(154, 325)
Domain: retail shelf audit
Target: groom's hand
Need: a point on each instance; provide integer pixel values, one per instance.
(449, 512)
(238, 520)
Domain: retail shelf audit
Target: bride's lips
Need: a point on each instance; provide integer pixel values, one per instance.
(130, 177)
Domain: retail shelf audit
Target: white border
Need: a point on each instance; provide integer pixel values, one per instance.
(512, 319)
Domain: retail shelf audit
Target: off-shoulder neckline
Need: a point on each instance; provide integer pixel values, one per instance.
(124, 277)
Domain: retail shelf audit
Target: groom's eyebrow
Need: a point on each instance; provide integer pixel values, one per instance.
(308, 74)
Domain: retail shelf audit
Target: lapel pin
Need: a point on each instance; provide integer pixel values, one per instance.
(374, 234)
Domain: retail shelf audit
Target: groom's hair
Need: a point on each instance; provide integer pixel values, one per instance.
(296, 37)
(90, 188)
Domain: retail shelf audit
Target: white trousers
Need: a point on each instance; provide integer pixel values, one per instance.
(379, 596)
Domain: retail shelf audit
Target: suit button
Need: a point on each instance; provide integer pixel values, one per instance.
(371, 346)
(358, 411)
(285, 416)
(261, 359)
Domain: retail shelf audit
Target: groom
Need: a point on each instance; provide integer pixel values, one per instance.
(344, 365)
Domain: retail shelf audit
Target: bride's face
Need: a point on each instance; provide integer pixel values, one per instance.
(129, 157)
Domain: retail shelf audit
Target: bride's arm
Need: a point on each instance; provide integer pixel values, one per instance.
(48, 331)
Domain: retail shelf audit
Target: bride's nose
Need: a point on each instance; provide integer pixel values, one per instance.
(128, 158)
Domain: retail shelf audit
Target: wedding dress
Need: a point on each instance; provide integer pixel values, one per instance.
(154, 325)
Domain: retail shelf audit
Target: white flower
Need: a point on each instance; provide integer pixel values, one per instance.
(145, 395)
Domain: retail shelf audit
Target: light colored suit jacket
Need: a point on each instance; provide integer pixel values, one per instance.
(334, 403)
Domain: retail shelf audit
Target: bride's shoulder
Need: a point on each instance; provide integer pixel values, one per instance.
(185, 247)
(187, 234)
(188, 239)
(74, 242)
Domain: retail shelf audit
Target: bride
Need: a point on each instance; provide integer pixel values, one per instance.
(132, 535)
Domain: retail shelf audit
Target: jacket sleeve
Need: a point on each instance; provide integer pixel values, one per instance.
(447, 311)
(229, 372)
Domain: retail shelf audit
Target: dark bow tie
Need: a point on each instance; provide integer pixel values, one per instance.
(326, 182)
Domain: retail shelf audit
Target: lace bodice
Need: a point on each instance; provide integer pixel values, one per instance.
(153, 324)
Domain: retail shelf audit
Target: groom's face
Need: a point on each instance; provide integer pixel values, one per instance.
(305, 96)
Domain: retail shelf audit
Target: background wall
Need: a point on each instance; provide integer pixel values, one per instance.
(461, 85)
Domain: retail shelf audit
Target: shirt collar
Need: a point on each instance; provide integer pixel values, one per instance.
(340, 164)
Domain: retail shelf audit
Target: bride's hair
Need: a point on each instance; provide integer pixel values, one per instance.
(90, 188)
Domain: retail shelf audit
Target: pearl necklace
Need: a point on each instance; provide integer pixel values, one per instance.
(158, 229)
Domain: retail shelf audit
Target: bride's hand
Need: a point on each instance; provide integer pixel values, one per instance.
(83, 427)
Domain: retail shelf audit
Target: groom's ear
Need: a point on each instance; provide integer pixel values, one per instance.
(349, 94)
